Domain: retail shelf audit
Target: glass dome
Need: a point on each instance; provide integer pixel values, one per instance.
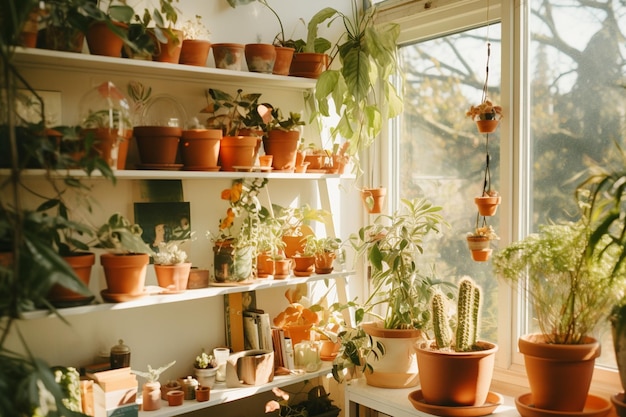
(105, 106)
(164, 110)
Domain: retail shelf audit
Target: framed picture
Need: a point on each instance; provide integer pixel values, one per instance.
(163, 222)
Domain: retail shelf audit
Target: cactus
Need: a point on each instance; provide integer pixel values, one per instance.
(441, 324)
(467, 315)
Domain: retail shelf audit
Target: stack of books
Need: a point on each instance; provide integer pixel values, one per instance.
(114, 393)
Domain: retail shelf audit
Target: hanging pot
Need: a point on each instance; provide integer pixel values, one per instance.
(284, 56)
(103, 41)
(374, 199)
(479, 248)
(260, 57)
(487, 126)
(264, 265)
(487, 206)
(194, 52)
(228, 55)
(283, 146)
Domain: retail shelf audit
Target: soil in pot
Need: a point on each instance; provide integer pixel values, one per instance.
(194, 52)
(260, 57)
(228, 55)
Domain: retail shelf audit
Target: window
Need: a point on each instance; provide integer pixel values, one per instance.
(570, 110)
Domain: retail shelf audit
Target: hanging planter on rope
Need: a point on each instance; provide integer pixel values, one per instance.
(486, 114)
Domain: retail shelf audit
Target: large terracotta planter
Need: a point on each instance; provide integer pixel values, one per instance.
(170, 51)
(103, 41)
(283, 146)
(308, 64)
(81, 263)
(110, 145)
(284, 56)
(228, 55)
(237, 151)
(559, 375)
(260, 57)
(451, 378)
(157, 145)
(125, 274)
(487, 206)
(200, 148)
(194, 52)
(374, 199)
(173, 278)
(397, 368)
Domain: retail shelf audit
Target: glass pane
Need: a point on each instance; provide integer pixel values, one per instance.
(576, 61)
(442, 154)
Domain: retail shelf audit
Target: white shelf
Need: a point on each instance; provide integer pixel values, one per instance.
(43, 59)
(220, 394)
(212, 291)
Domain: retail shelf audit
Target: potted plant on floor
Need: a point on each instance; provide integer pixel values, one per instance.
(571, 286)
(456, 370)
(171, 270)
(383, 348)
(282, 139)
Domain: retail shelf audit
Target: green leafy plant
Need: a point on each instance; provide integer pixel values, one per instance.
(231, 114)
(280, 122)
(293, 218)
(119, 235)
(204, 361)
(317, 402)
(165, 17)
(153, 375)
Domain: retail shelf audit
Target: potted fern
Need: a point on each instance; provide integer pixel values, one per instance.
(456, 370)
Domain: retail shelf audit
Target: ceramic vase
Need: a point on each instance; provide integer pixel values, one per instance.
(206, 376)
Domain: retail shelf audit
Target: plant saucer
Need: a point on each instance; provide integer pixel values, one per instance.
(594, 407)
(120, 298)
(493, 401)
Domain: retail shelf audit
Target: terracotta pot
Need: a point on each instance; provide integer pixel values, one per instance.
(194, 52)
(304, 266)
(112, 147)
(374, 199)
(282, 146)
(481, 255)
(298, 332)
(284, 56)
(205, 377)
(264, 265)
(308, 64)
(266, 160)
(282, 268)
(169, 386)
(559, 375)
(203, 393)
(315, 161)
(487, 206)
(28, 35)
(339, 163)
(59, 39)
(301, 169)
(397, 368)
(260, 57)
(170, 51)
(103, 41)
(175, 398)
(125, 274)
(228, 55)
(157, 145)
(295, 242)
(477, 242)
(324, 262)
(151, 395)
(455, 378)
(237, 151)
(82, 264)
(200, 148)
(198, 278)
(487, 126)
(174, 278)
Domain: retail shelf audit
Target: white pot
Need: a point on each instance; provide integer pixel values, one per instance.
(206, 377)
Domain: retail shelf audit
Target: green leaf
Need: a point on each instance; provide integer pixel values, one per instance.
(355, 71)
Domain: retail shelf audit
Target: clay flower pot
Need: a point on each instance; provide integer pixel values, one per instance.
(282, 268)
(304, 266)
(200, 149)
(237, 151)
(374, 199)
(284, 56)
(282, 145)
(228, 55)
(264, 265)
(205, 377)
(324, 262)
(487, 206)
(203, 393)
(487, 126)
(308, 64)
(194, 52)
(125, 274)
(175, 398)
(111, 145)
(260, 57)
(103, 41)
(479, 248)
(158, 145)
(170, 51)
(81, 263)
(173, 278)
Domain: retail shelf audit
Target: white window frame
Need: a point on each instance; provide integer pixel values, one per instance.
(423, 20)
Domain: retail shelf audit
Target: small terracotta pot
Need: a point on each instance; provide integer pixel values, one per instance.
(103, 41)
(308, 64)
(374, 199)
(315, 161)
(111, 146)
(82, 264)
(481, 255)
(228, 55)
(28, 35)
(173, 278)
(170, 51)
(260, 57)
(477, 242)
(487, 126)
(175, 398)
(282, 146)
(264, 265)
(169, 386)
(487, 206)
(237, 151)
(298, 332)
(203, 393)
(284, 56)
(157, 145)
(304, 266)
(200, 148)
(194, 52)
(282, 268)
(151, 394)
(266, 160)
(324, 262)
(198, 278)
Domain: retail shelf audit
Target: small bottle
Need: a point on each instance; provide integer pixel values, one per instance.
(120, 355)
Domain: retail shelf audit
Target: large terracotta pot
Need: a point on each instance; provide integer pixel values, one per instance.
(157, 145)
(81, 263)
(125, 274)
(103, 41)
(559, 375)
(111, 146)
(374, 199)
(451, 378)
(170, 51)
(237, 151)
(194, 52)
(284, 56)
(173, 278)
(308, 64)
(283, 146)
(397, 368)
(228, 55)
(200, 148)
(260, 57)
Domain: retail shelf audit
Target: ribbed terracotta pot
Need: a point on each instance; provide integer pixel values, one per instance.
(397, 368)
(170, 51)
(284, 56)
(559, 375)
(455, 379)
(487, 206)
(283, 146)
(260, 57)
(228, 55)
(374, 199)
(157, 145)
(173, 278)
(308, 64)
(125, 274)
(103, 41)
(200, 148)
(194, 52)
(237, 151)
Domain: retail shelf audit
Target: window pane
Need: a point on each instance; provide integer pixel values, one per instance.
(576, 65)
(441, 153)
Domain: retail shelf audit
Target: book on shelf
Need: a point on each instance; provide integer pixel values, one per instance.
(283, 354)
(257, 330)
(234, 306)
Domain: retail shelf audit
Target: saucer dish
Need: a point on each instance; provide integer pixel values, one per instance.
(251, 168)
(493, 401)
(199, 168)
(120, 298)
(161, 167)
(594, 407)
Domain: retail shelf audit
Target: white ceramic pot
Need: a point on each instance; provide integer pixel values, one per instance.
(206, 377)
